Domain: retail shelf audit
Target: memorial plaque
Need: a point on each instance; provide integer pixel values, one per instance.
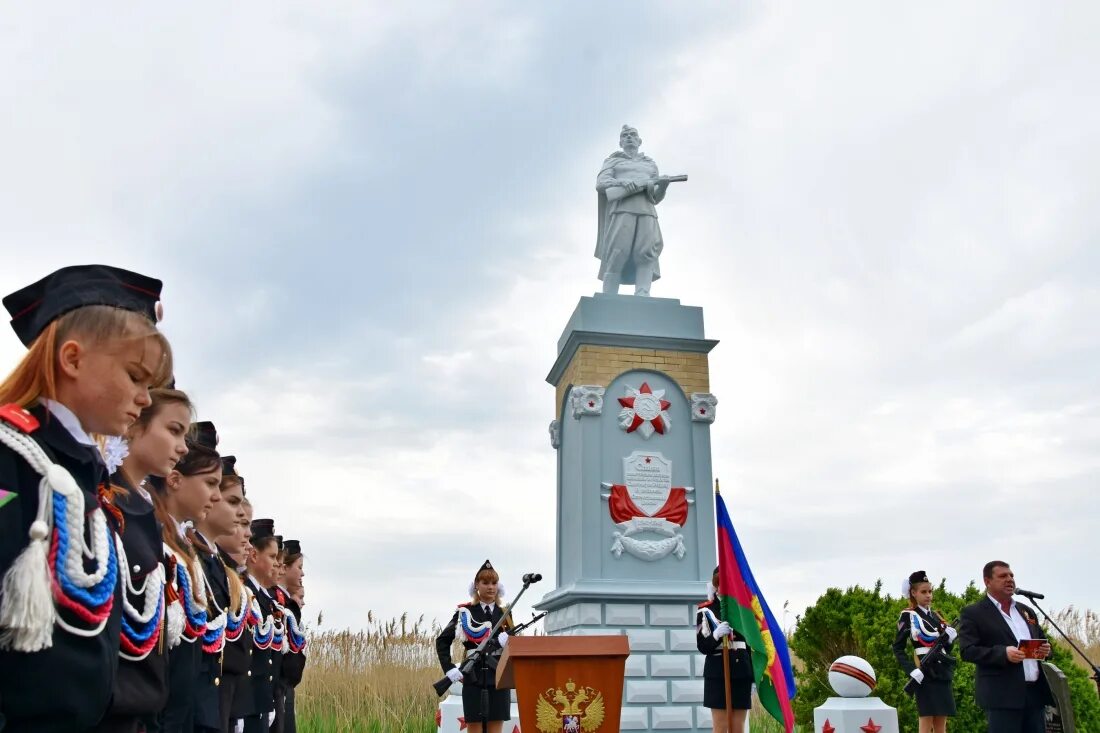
(648, 479)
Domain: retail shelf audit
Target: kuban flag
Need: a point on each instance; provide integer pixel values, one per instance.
(744, 609)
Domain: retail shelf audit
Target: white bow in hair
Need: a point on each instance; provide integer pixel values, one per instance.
(472, 589)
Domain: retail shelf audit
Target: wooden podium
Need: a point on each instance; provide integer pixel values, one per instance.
(566, 683)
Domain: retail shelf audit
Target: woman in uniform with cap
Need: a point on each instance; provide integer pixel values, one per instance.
(152, 447)
(237, 653)
(225, 609)
(709, 636)
(920, 626)
(181, 499)
(471, 624)
(259, 707)
(294, 661)
(93, 353)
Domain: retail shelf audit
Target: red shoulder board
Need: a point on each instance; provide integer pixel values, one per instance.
(467, 604)
(704, 604)
(18, 418)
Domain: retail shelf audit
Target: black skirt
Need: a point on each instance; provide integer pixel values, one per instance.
(934, 698)
(500, 703)
(714, 693)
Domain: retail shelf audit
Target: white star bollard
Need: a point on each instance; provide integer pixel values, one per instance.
(853, 679)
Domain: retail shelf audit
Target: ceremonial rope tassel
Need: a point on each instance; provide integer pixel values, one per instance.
(470, 630)
(140, 629)
(295, 639)
(920, 631)
(50, 572)
(213, 638)
(263, 629)
(708, 623)
(193, 599)
(235, 622)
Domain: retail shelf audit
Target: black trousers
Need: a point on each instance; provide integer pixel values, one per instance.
(1029, 719)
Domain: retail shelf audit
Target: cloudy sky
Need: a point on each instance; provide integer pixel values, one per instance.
(373, 220)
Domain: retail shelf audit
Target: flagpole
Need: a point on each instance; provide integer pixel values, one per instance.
(725, 654)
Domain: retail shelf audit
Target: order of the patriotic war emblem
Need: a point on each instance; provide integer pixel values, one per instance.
(569, 710)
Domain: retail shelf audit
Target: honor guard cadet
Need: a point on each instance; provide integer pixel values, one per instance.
(237, 654)
(709, 636)
(152, 447)
(294, 661)
(932, 667)
(266, 628)
(93, 354)
(226, 609)
(182, 499)
(471, 624)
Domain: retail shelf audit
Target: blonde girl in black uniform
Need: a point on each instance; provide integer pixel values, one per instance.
(153, 447)
(181, 499)
(708, 639)
(922, 626)
(93, 354)
(471, 623)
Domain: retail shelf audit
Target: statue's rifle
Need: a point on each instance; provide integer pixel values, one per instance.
(614, 193)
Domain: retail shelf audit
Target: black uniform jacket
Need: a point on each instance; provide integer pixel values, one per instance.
(207, 697)
(141, 687)
(983, 636)
(264, 661)
(938, 670)
(238, 654)
(294, 663)
(68, 686)
(482, 678)
(740, 659)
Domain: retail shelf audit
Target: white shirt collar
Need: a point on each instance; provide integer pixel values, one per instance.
(259, 585)
(70, 421)
(1011, 603)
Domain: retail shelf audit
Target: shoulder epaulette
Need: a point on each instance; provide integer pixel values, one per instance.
(466, 604)
(704, 604)
(19, 418)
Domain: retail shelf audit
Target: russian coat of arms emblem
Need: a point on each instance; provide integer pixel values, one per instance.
(570, 710)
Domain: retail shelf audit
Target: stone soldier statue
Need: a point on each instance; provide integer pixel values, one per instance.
(628, 241)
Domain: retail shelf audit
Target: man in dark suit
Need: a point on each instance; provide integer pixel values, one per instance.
(1008, 686)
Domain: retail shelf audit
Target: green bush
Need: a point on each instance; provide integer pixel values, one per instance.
(863, 622)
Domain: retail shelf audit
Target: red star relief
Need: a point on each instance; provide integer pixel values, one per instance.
(645, 409)
(870, 727)
(828, 727)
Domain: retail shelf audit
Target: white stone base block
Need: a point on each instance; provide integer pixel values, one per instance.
(634, 719)
(851, 713)
(670, 717)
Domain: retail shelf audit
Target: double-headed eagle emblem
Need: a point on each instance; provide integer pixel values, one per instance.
(571, 710)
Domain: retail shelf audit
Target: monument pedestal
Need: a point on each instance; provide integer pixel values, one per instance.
(635, 521)
(855, 715)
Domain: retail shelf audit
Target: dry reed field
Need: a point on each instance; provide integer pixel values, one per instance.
(374, 680)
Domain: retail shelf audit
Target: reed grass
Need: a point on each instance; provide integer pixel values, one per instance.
(377, 680)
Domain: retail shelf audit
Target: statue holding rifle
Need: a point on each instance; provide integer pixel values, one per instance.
(628, 241)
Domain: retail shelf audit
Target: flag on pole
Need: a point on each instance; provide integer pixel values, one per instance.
(744, 608)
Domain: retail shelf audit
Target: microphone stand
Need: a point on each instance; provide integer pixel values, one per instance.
(1095, 669)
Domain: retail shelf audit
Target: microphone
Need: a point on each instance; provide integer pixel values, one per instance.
(1031, 595)
(536, 577)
